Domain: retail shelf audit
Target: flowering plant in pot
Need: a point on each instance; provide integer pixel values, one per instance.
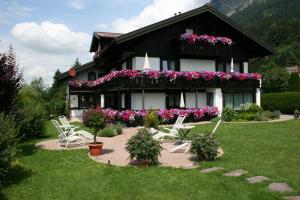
(95, 120)
(143, 148)
(205, 147)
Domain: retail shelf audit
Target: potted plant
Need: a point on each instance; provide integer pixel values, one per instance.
(96, 121)
(143, 148)
(205, 147)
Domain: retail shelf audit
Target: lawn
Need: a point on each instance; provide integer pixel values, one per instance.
(268, 149)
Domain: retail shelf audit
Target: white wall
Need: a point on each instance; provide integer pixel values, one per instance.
(190, 100)
(257, 96)
(152, 101)
(218, 99)
(246, 67)
(76, 115)
(73, 101)
(197, 65)
(84, 75)
(138, 63)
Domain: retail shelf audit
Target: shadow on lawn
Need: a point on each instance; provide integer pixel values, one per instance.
(15, 176)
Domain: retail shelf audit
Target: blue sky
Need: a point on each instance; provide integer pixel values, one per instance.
(50, 34)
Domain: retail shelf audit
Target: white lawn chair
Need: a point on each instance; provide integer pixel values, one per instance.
(66, 126)
(64, 139)
(187, 144)
(65, 123)
(173, 133)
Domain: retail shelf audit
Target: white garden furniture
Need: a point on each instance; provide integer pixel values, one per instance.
(66, 126)
(65, 123)
(187, 143)
(64, 138)
(173, 133)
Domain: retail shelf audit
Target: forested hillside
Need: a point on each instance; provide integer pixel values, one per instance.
(276, 22)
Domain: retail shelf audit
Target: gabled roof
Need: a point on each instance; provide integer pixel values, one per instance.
(108, 34)
(178, 18)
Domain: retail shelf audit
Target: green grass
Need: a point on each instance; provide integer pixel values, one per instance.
(269, 149)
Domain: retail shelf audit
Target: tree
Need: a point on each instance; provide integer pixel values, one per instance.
(76, 63)
(275, 80)
(10, 81)
(294, 82)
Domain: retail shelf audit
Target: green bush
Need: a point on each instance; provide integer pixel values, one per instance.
(205, 147)
(284, 102)
(108, 132)
(253, 108)
(151, 120)
(118, 128)
(228, 114)
(8, 144)
(143, 148)
(249, 116)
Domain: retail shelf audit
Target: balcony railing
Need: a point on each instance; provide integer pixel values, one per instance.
(202, 48)
(123, 83)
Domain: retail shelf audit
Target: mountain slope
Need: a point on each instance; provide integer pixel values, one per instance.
(275, 21)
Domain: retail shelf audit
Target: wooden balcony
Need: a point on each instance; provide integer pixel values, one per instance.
(202, 49)
(122, 83)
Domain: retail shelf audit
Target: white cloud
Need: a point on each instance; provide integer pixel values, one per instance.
(156, 11)
(76, 4)
(50, 38)
(42, 48)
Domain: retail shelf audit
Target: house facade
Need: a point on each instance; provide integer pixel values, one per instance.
(201, 54)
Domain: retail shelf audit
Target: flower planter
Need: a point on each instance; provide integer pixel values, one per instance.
(144, 163)
(202, 157)
(95, 149)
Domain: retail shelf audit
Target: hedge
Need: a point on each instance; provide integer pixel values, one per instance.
(286, 102)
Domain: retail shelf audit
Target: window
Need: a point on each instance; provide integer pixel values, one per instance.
(189, 30)
(173, 100)
(86, 101)
(210, 99)
(226, 66)
(92, 76)
(237, 100)
(166, 64)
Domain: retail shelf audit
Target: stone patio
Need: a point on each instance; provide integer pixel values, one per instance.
(115, 153)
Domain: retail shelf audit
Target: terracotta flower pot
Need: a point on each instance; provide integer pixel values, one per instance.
(202, 157)
(96, 149)
(144, 163)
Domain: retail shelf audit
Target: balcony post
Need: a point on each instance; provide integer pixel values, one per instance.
(143, 99)
(196, 98)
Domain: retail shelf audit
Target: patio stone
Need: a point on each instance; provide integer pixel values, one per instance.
(236, 173)
(257, 179)
(212, 169)
(292, 198)
(280, 187)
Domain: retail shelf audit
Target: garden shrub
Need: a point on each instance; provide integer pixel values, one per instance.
(205, 147)
(118, 128)
(151, 119)
(8, 142)
(253, 108)
(142, 147)
(276, 114)
(228, 114)
(249, 116)
(94, 120)
(108, 132)
(284, 102)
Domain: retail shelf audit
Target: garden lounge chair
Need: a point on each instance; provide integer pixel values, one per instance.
(66, 126)
(187, 144)
(173, 133)
(64, 139)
